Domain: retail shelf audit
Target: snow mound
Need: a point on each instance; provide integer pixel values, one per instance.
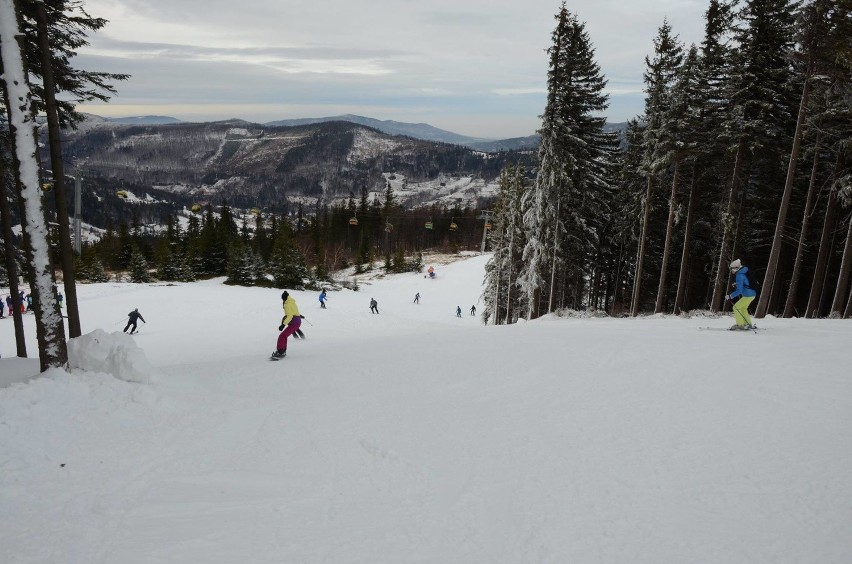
(112, 353)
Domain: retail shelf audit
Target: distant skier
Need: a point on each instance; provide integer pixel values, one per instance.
(289, 324)
(10, 305)
(60, 298)
(21, 301)
(322, 298)
(742, 296)
(132, 318)
(417, 298)
(374, 306)
(458, 311)
(473, 310)
(29, 302)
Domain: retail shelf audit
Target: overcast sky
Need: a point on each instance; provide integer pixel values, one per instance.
(474, 67)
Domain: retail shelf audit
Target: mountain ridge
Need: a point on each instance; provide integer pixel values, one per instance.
(422, 131)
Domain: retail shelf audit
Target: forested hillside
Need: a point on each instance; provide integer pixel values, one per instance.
(269, 167)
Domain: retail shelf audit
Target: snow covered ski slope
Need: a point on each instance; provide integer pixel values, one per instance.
(418, 436)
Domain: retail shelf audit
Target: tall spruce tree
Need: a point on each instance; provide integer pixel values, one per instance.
(681, 123)
(821, 39)
(50, 331)
(574, 177)
(707, 160)
(813, 26)
(502, 295)
(759, 125)
(660, 75)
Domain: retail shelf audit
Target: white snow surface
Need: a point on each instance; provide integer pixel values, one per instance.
(415, 436)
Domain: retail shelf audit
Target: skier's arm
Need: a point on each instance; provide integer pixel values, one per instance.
(738, 291)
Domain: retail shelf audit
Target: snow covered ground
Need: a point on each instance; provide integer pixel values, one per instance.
(414, 436)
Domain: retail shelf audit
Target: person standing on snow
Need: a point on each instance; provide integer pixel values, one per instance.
(322, 299)
(374, 306)
(473, 309)
(742, 296)
(132, 318)
(458, 311)
(289, 324)
(417, 298)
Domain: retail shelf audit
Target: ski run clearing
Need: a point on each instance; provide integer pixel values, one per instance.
(416, 436)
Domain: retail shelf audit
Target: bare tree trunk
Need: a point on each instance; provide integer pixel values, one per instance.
(815, 297)
(509, 281)
(772, 267)
(687, 243)
(11, 264)
(553, 266)
(66, 254)
(664, 269)
(721, 284)
(637, 280)
(616, 289)
(790, 306)
(843, 277)
(49, 327)
(848, 312)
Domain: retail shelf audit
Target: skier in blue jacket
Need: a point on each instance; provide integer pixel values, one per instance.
(742, 296)
(322, 298)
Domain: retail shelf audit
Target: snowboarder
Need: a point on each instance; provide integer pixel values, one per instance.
(473, 309)
(374, 306)
(742, 296)
(458, 311)
(132, 318)
(322, 298)
(289, 324)
(417, 298)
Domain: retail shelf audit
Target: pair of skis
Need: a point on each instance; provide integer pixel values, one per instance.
(754, 329)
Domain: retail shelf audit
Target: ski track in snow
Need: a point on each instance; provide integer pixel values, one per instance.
(416, 436)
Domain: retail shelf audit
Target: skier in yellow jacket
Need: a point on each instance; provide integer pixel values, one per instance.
(289, 324)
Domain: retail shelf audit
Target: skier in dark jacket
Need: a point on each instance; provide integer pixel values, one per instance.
(132, 318)
(374, 306)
